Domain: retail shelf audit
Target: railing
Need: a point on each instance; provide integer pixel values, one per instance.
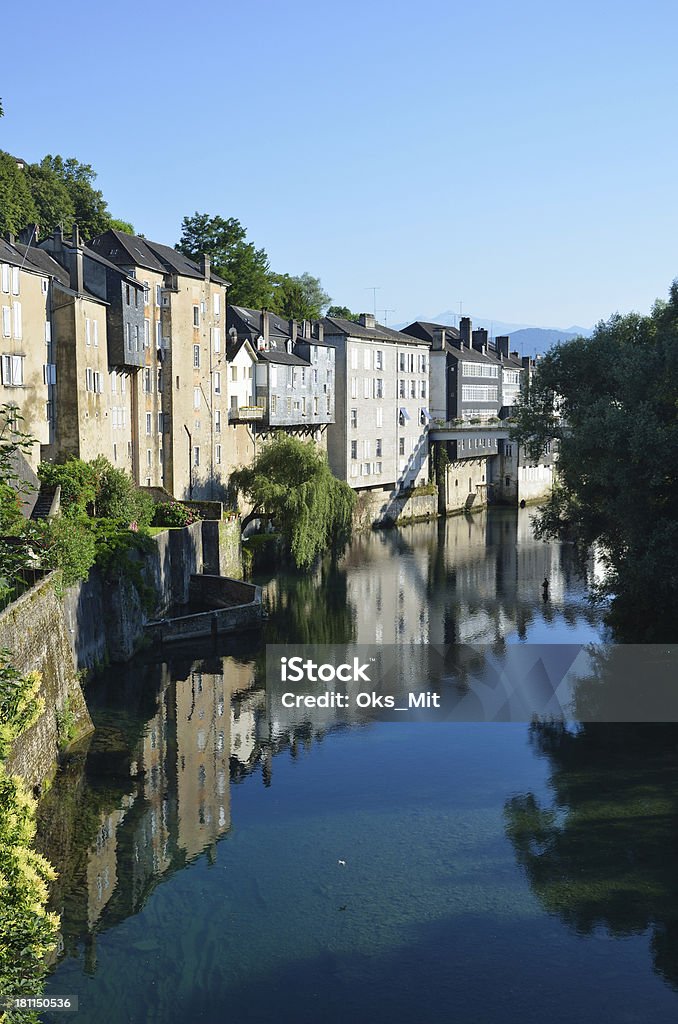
(247, 412)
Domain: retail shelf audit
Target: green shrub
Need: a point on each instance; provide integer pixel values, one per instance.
(67, 543)
(77, 480)
(173, 513)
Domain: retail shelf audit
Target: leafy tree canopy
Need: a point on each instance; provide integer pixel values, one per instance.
(344, 312)
(610, 403)
(299, 298)
(17, 207)
(233, 258)
(290, 483)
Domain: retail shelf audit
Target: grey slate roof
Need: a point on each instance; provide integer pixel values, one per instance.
(337, 325)
(177, 263)
(248, 321)
(116, 245)
(278, 355)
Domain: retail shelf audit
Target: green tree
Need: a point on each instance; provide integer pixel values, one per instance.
(343, 312)
(610, 404)
(299, 298)
(16, 202)
(53, 203)
(89, 206)
(291, 485)
(121, 225)
(233, 258)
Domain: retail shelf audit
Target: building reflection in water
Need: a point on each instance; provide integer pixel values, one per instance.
(152, 792)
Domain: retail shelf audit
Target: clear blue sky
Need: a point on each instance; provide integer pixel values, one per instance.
(520, 157)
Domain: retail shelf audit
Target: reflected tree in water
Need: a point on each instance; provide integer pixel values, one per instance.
(604, 853)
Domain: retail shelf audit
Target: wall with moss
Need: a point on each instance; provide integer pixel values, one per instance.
(34, 631)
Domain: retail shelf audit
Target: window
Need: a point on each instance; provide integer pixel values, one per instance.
(158, 295)
(49, 373)
(479, 370)
(98, 382)
(380, 417)
(114, 382)
(158, 335)
(401, 362)
(89, 386)
(149, 457)
(234, 373)
(354, 469)
(123, 383)
(127, 293)
(378, 451)
(196, 316)
(367, 449)
(274, 403)
(149, 423)
(148, 387)
(273, 374)
(147, 293)
(216, 339)
(196, 398)
(159, 382)
(161, 456)
(413, 389)
(217, 454)
(95, 333)
(128, 336)
(196, 456)
(217, 421)
(13, 371)
(48, 332)
(379, 360)
(88, 331)
(329, 405)
(354, 357)
(402, 389)
(507, 481)
(378, 468)
(367, 387)
(216, 299)
(401, 446)
(136, 337)
(6, 322)
(478, 393)
(378, 387)
(160, 423)
(354, 418)
(366, 469)
(196, 357)
(315, 406)
(354, 387)
(217, 383)
(15, 280)
(366, 359)
(5, 278)
(314, 376)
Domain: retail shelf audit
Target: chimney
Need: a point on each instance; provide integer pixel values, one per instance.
(479, 340)
(503, 346)
(58, 240)
(465, 332)
(439, 339)
(265, 325)
(292, 327)
(205, 266)
(368, 320)
(306, 329)
(30, 235)
(77, 267)
(320, 331)
(9, 237)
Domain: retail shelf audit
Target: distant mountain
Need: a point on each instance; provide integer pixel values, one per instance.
(526, 340)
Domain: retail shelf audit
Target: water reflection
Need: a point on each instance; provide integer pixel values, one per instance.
(601, 854)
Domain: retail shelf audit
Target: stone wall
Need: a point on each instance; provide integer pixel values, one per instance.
(387, 508)
(34, 631)
(222, 549)
(219, 592)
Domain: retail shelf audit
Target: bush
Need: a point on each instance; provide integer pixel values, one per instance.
(77, 480)
(173, 513)
(118, 497)
(67, 543)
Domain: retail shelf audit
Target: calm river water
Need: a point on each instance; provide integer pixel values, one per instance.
(494, 874)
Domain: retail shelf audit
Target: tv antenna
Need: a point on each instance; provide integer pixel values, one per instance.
(386, 312)
(374, 291)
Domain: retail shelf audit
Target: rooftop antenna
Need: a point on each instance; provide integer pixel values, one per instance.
(458, 319)
(386, 312)
(374, 291)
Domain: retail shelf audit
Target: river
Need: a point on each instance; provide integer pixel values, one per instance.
(218, 862)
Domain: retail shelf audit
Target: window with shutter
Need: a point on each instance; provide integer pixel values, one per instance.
(6, 321)
(5, 277)
(16, 309)
(15, 280)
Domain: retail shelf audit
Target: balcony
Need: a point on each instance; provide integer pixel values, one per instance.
(246, 413)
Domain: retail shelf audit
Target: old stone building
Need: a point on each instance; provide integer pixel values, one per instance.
(26, 357)
(183, 398)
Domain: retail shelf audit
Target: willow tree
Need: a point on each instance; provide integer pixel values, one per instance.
(291, 486)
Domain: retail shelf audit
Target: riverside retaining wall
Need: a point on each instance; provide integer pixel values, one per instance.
(34, 631)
